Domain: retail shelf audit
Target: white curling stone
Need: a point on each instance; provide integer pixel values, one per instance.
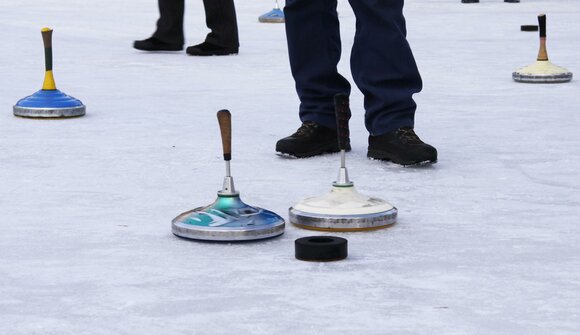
(343, 201)
(542, 68)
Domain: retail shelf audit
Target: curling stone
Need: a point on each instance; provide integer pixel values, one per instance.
(228, 218)
(49, 102)
(542, 71)
(343, 208)
(276, 15)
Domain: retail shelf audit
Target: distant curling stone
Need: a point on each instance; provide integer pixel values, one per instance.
(542, 71)
(49, 102)
(276, 15)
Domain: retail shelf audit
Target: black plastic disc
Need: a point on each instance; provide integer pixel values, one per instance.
(321, 248)
(529, 27)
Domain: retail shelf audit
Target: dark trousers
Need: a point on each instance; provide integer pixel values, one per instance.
(381, 61)
(220, 17)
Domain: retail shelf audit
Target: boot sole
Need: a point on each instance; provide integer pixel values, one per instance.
(317, 152)
(218, 53)
(387, 157)
(160, 50)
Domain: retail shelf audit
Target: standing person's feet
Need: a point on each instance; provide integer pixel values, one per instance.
(401, 146)
(153, 44)
(311, 139)
(208, 49)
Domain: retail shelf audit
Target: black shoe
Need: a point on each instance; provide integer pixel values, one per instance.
(208, 49)
(401, 146)
(153, 44)
(469, 1)
(311, 139)
(512, 1)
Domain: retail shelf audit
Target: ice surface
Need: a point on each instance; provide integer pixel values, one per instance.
(487, 242)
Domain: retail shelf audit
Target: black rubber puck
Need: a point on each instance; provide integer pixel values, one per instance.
(529, 27)
(321, 248)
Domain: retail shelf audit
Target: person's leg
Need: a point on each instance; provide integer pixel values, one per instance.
(385, 71)
(170, 23)
(313, 36)
(220, 17)
(383, 66)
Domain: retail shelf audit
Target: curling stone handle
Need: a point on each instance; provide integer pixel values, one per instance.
(542, 24)
(48, 83)
(343, 114)
(47, 40)
(543, 53)
(225, 122)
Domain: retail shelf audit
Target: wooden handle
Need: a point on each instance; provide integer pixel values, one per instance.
(542, 24)
(343, 114)
(225, 121)
(543, 53)
(47, 40)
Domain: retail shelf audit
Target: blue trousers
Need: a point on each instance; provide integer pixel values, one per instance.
(381, 61)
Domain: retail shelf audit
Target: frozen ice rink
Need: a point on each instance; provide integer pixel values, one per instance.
(488, 239)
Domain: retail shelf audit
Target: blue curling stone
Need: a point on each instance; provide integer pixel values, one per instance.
(49, 104)
(276, 15)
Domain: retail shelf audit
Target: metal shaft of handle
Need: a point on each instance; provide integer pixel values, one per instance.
(228, 169)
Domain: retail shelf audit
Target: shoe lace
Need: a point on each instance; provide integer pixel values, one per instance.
(408, 135)
(307, 128)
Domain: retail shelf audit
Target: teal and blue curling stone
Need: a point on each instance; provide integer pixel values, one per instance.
(276, 15)
(49, 102)
(228, 219)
